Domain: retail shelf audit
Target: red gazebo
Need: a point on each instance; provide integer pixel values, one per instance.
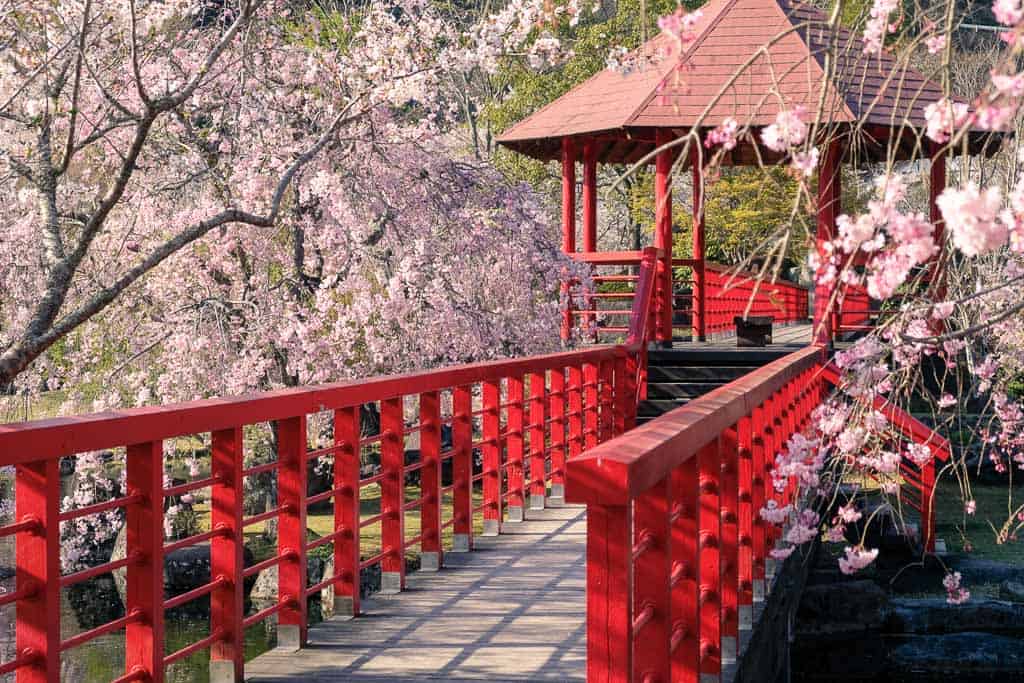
(750, 60)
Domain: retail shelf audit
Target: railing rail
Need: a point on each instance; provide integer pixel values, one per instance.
(675, 549)
(523, 418)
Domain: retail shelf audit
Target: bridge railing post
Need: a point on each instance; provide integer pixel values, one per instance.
(431, 552)
(144, 596)
(651, 556)
(491, 453)
(745, 521)
(462, 468)
(227, 608)
(514, 441)
(559, 432)
(292, 625)
(685, 635)
(538, 447)
(346, 510)
(609, 590)
(591, 406)
(709, 578)
(37, 565)
(729, 513)
(392, 495)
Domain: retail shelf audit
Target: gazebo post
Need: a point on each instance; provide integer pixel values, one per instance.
(829, 194)
(699, 272)
(936, 184)
(663, 239)
(568, 223)
(590, 209)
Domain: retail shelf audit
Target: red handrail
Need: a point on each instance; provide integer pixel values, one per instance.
(920, 478)
(732, 294)
(675, 549)
(526, 415)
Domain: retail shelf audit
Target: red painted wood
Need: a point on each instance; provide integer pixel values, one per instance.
(663, 237)
(462, 463)
(651, 537)
(575, 390)
(609, 582)
(590, 405)
(624, 380)
(346, 509)
(746, 511)
(557, 400)
(430, 474)
(537, 434)
(709, 539)
(227, 602)
(144, 637)
(392, 488)
(937, 183)
(568, 195)
(589, 195)
(514, 441)
(291, 528)
(700, 292)
(685, 618)
(829, 195)
(37, 560)
(606, 400)
(730, 532)
(491, 452)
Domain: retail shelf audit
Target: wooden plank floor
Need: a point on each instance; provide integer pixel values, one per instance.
(783, 337)
(512, 610)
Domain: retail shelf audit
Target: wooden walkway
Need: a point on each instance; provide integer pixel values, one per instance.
(511, 610)
(788, 337)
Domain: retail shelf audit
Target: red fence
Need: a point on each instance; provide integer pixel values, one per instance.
(733, 294)
(610, 312)
(729, 294)
(674, 542)
(522, 417)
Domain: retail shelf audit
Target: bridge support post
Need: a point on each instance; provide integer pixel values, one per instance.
(685, 609)
(745, 520)
(609, 587)
(829, 197)
(663, 239)
(559, 433)
(730, 544)
(568, 224)
(514, 441)
(700, 278)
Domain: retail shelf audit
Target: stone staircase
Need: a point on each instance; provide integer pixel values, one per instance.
(677, 376)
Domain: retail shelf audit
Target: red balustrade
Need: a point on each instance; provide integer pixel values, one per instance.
(731, 294)
(524, 418)
(610, 313)
(675, 548)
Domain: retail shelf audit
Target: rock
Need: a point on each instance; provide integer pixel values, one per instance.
(847, 607)
(927, 616)
(184, 570)
(965, 656)
(265, 587)
(1012, 591)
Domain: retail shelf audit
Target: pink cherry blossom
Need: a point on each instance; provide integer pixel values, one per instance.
(724, 134)
(943, 117)
(972, 216)
(856, 559)
(789, 129)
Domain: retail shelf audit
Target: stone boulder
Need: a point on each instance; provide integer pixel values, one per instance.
(849, 607)
(932, 616)
(959, 656)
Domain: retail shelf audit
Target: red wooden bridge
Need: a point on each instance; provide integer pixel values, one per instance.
(555, 539)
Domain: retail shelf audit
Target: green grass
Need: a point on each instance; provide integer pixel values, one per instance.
(961, 531)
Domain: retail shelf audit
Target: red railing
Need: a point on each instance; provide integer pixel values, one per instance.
(675, 547)
(920, 480)
(853, 312)
(732, 294)
(729, 294)
(524, 417)
(610, 311)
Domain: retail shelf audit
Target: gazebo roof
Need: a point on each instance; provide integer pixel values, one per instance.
(699, 86)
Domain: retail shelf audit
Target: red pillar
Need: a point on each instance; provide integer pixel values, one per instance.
(589, 196)
(663, 239)
(937, 183)
(568, 221)
(828, 209)
(590, 210)
(699, 272)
